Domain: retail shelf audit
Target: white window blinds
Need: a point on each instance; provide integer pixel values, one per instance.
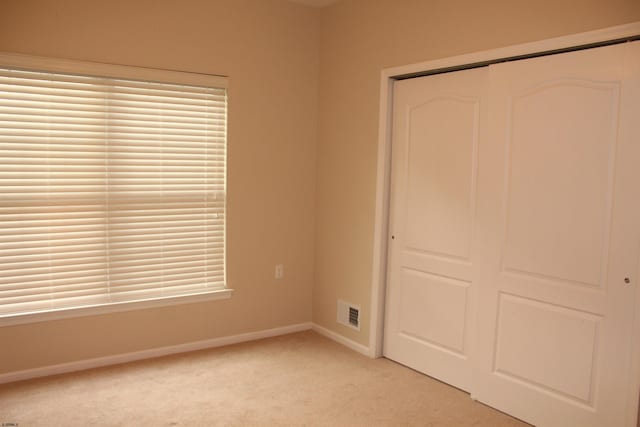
(111, 190)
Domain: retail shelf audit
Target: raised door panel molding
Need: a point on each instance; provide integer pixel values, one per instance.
(443, 137)
(560, 171)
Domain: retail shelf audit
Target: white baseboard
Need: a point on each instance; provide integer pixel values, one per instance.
(148, 354)
(342, 340)
(180, 348)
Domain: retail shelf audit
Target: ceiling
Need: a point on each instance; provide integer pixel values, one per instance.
(315, 3)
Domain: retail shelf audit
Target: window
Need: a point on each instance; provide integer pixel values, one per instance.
(112, 189)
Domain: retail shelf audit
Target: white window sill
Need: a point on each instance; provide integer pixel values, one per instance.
(65, 313)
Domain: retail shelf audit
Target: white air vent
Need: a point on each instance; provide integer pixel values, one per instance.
(349, 314)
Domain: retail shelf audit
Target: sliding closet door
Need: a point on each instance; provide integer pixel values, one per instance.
(559, 237)
(430, 297)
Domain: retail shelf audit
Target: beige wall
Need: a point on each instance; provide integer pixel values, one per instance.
(283, 188)
(360, 38)
(269, 48)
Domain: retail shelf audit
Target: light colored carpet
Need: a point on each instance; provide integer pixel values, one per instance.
(300, 379)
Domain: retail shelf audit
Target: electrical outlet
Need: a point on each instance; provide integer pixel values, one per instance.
(279, 271)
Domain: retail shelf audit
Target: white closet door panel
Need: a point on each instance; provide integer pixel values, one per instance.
(430, 299)
(559, 231)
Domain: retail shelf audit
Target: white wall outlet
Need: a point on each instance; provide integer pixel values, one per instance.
(279, 271)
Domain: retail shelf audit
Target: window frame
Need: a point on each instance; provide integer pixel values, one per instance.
(54, 65)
